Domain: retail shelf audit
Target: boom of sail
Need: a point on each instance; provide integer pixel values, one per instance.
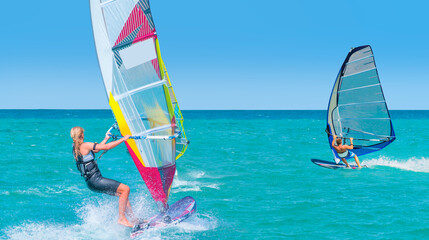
(139, 90)
(357, 108)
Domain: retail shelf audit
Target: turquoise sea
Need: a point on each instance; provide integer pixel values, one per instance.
(249, 171)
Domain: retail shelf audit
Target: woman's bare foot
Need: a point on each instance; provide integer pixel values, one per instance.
(125, 222)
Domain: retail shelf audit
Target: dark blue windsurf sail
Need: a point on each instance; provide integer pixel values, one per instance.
(357, 108)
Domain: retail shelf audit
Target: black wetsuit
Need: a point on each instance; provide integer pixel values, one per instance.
(89, 170)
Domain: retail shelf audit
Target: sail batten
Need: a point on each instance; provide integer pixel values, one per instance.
(142, 88)
(357, 108)
(107, 2)
(358, 72)
(362, 103)
(364, 118)
(356, 88)
(153, 130)
(350, 62)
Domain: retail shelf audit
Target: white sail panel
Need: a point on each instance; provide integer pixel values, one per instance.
(138, 53)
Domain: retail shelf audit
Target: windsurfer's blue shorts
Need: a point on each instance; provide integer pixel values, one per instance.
(350, 154)
(98, 183)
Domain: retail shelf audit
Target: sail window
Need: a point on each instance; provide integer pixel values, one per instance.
(138, 53)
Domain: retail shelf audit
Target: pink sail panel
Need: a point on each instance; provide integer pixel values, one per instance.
(156, 67)
(137, 19)
(158, 180)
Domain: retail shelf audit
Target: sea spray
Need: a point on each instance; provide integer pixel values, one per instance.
(411, 164)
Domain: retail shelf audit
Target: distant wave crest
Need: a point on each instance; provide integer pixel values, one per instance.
(412, 164)
(180, 184)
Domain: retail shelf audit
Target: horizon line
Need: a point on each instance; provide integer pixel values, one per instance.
(93, 109)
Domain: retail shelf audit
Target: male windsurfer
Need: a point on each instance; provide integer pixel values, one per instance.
(343, 150)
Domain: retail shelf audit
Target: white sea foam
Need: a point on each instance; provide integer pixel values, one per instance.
(182, 185)
(47, 191)
(197, 174)
(99, 221)
(31, 191)
(195, 223)
(411, 164)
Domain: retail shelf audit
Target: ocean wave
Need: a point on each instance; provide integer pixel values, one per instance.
(197, 174)
(5, 193)
(180, 185)
(46, 191)
(187, 189)
(411, 164)
(31, 191)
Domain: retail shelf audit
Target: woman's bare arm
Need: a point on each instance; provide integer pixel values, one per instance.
(110, 145)
(106, 138)
(86, 147)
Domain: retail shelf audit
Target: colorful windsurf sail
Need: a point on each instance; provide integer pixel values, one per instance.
(139, 90)
(357, 107)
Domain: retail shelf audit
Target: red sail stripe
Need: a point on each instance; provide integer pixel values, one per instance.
(155, 65)
(135, 20)
(151, 176)
(145, 29)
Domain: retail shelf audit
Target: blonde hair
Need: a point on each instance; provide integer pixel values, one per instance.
(76, 134)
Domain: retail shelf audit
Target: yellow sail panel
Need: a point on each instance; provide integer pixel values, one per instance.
(123, 126)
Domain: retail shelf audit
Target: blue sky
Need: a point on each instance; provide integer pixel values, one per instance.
(223, 54)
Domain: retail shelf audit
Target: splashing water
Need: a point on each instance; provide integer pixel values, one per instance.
(99, 221)
(412, 164)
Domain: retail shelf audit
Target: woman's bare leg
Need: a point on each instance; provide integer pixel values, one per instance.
(130, 213)
(123, 192)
